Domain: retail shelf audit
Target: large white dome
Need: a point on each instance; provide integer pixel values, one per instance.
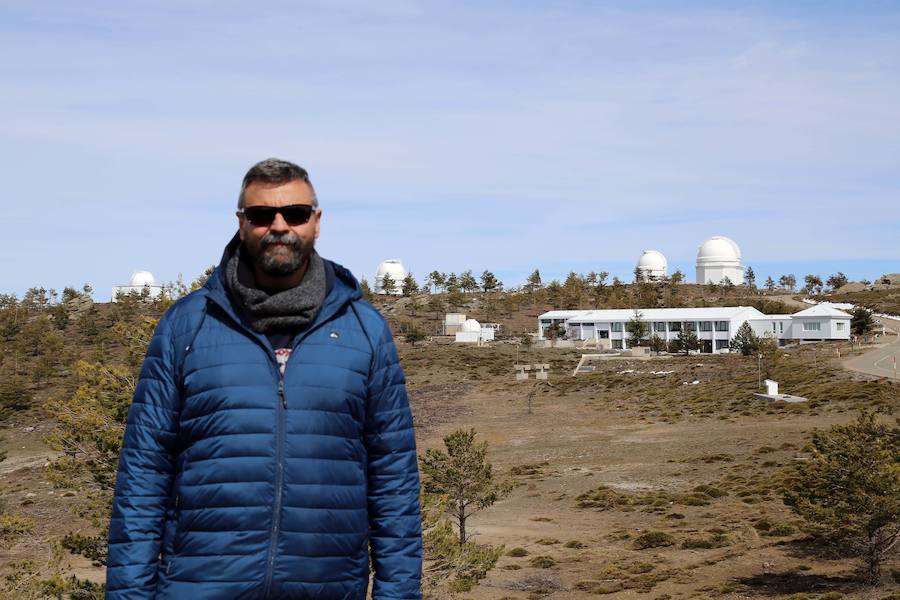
(471, 325)
(653, 264)
(718, 248)
(142, 278)
(718, 260)
(393, 267)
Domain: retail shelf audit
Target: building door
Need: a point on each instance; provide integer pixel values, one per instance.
(707, 346)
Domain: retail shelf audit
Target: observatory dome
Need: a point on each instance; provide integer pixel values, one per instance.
(142, 278)
(471, 325)
(719, 248)
(393, 267)
(718, 258)
(653, 264)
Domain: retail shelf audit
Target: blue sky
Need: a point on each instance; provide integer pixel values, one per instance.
(453, 135)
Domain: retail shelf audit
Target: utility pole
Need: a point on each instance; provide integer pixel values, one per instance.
(759, 371)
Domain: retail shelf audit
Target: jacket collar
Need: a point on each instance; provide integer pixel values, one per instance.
(341, 285)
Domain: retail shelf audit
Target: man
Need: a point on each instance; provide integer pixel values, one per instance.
(269, 450)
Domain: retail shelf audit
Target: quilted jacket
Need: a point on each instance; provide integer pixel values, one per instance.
(236, 482)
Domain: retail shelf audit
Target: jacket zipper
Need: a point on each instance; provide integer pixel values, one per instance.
(279, 484)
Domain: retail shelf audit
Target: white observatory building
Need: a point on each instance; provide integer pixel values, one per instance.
(393, 267)
(653, 265)
(140, 280)
(717, 258)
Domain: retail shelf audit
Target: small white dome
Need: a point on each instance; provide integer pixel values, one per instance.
(652, 259)
(471, 325)
(719, 248)
(393, 267)
(142, 278)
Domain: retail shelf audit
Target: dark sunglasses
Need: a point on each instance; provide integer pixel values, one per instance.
(261, 216)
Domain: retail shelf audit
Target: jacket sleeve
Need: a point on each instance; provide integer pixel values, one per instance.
(144, 479)
(393, 476)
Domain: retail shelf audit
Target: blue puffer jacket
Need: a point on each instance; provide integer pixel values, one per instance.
(237, 483)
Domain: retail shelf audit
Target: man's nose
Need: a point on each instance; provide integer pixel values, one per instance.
(279, 224)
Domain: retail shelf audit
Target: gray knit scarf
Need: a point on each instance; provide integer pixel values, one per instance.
(291, 308)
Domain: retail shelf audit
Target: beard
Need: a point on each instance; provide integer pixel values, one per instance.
(281, 255)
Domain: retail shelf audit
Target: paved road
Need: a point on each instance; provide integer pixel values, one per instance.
(882, 360)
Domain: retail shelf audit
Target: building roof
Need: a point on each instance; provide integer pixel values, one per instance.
(720, 313)
(822, 310)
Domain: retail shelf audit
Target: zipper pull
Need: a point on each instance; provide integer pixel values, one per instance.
(281, 393)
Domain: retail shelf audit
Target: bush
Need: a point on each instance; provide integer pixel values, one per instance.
(849, 490)
(653, 539)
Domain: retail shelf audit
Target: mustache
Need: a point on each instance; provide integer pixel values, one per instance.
(280, 238)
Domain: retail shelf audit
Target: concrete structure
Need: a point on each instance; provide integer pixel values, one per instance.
(141, 282)
(714, 326)
(717, 258)
(653, 265)
(453, 323)
(393, 267)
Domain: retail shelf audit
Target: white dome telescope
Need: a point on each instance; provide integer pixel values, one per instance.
(471, 325)
(718, 258)
(142, 278)
(653, 264)
(393, 267)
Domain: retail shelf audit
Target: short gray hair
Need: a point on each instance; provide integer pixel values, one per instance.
(275, 170)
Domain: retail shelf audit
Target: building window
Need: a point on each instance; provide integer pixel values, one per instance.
(617, 344)
(604, 334)
(781, 327)
(721, 344)
(773, 326)
(705, 325)
(721, 325)
(812, 326)
(659, 326)
(616, 326)
(840, 325)
(674, 326)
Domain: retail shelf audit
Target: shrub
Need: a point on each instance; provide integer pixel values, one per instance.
(542, 562)
(517, 552)
(850, 488)
(653, 539)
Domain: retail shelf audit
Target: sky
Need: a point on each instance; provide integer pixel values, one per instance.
(459, 135)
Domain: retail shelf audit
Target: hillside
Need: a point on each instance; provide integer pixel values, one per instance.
(601, 459)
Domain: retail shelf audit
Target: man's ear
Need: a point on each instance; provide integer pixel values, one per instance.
(318, 221)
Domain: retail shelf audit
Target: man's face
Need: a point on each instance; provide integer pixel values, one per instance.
(279, 249)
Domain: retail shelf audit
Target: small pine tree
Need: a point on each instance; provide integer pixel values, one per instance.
(750, 278)
(637, 328)
(410, 286)
(388, 285)
(770, 283)
(838, 280)
(745, 341)
(687, 340)
(366, 290)
(657, 344)
(467, 281)
(850, 488)
(489, 282)
(464, 475)
(861, 321)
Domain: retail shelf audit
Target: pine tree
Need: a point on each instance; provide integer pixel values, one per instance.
(770, 283)
(849, 489)
(467, 282)
(366, 290)
(687, 340)
(750, 278)
(745, 341)
(388, 285)
(410, 286)
(838, 280)
(489, 282)
(464, 475)
(637, 328)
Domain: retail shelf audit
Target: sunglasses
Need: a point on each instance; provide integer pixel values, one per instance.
(263, 216)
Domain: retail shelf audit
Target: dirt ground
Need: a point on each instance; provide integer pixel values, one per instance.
(639, 432)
